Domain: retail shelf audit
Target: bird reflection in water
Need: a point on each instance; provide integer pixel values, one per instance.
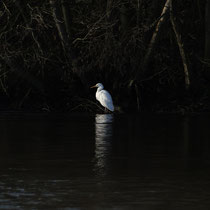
(103, 137)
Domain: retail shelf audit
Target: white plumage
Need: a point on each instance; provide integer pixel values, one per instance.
(104, 97)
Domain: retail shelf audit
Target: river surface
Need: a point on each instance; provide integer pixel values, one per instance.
(81, 161)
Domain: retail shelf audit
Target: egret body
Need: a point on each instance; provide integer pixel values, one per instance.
(104, 97)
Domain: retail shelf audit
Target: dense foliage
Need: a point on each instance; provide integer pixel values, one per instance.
(51, 52)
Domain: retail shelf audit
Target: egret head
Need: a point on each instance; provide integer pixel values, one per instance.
(98, 85)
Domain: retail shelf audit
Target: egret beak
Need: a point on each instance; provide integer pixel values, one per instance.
(93, 86)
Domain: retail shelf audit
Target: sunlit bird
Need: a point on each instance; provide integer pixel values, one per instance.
(104, 97)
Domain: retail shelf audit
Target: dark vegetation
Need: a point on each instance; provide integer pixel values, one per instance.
(52, 51)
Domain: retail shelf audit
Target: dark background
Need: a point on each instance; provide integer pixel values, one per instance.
(51, 52)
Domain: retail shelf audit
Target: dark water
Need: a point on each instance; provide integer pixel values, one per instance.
(104, 162)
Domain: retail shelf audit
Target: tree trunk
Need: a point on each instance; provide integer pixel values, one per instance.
(181, 49)
(58, 21)
(67, 17)
(124, 19)
(108, 9)
(154, 36)
(139, 3)
(207, 35)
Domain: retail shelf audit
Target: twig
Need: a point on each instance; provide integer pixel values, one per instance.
(3, 87)
(24, 97)
(6, 8)
(151, 77)
(91, 29)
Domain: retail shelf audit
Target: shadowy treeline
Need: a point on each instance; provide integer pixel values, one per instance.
(151, 55)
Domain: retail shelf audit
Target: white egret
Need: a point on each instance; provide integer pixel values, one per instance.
(104, 97)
